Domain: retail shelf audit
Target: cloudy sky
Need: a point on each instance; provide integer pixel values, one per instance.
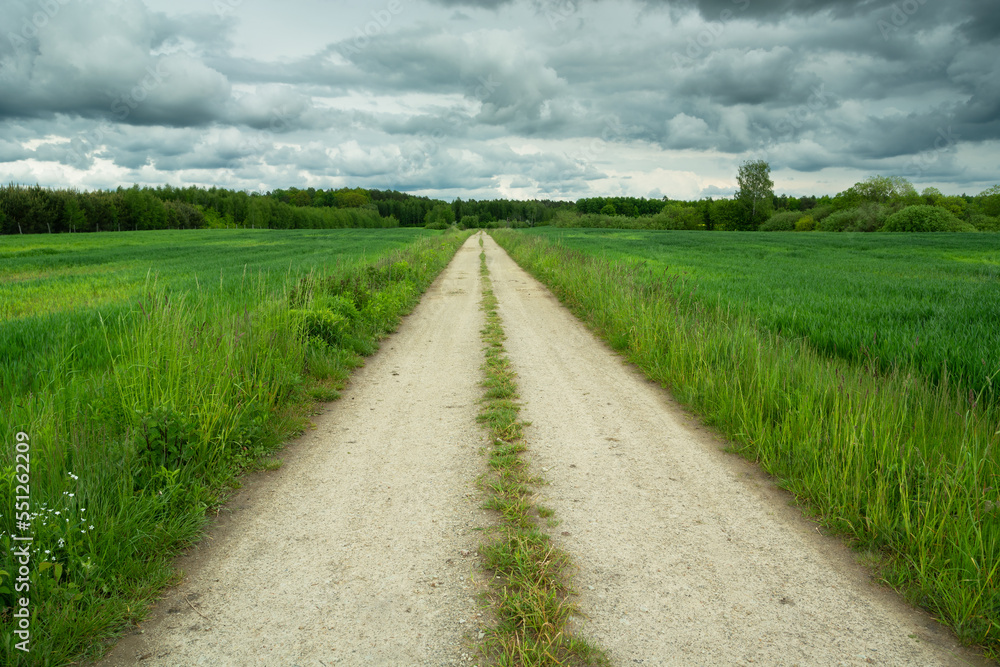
(500, 98)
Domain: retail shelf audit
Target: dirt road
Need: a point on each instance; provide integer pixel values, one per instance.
(687, 555)
(360, 550)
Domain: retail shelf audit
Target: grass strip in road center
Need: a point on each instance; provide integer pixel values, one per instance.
(530, 587)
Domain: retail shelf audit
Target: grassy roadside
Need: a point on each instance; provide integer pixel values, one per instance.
(530, 588)
(126, 461)
(906, 469)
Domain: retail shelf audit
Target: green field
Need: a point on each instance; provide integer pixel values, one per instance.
(822, 357)
(43, 273)
(53, 288)
(930, 302)
(147, 370)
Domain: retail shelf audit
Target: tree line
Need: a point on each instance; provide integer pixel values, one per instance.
(36, 210)
(412, 210)
(866, 206)
(878, 203)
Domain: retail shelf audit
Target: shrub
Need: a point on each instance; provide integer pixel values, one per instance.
(676, 216)
(985, 223)
(870, 218)
(564, 218)
(324, 325)
(819, 213)
(839, 221)
(925, 219)
(865, 218)
(805, 224)
(781, 222)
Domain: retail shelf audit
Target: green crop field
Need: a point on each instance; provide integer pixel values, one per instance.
(42, 273)
(144, 370)
(861, 371)
(922, 301)
(53, 288)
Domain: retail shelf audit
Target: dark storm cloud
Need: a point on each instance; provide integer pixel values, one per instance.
(852, 83)
(117, 62)
(96, 59)
(983, 23)
(775, 10)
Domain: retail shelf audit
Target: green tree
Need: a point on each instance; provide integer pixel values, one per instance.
(956, 205)
(989, 201)
(931, 196)
(883, 190)
(347, 198)
(705, 206)
(678, 216)
(756, 193)
(259, 212)
(75, 217)
(629, 209)
(725, 214)
(45, 212)
(298, 197)
(440, 214)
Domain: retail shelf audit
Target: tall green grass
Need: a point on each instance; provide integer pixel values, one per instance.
(142, 412)
(904, 466)
(930, 302)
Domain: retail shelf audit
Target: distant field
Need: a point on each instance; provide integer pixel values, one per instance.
(54, 287)
(44, 273)
(927, 301)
